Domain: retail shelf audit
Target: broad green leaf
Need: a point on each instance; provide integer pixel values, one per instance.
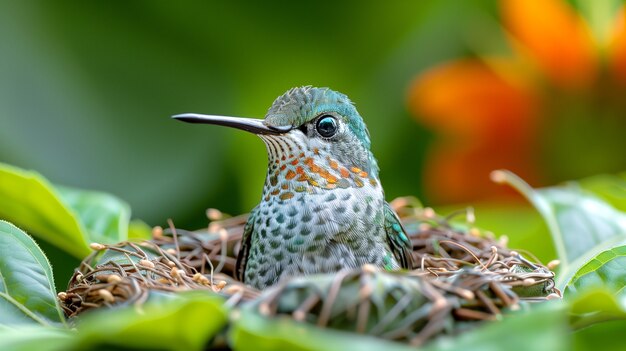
(30, 201)
(586, 223)
(610, 187)
(27, 293)
(599, 288)
(185, 321)
(593, 305)
(541, 328)
(537, 329)
(581, 224)
(104, 216)
(34, 337)
(607, 336)
(67, 218)
(254, 332)
(607, 269)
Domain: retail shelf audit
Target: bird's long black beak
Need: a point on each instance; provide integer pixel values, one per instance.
(256, 126)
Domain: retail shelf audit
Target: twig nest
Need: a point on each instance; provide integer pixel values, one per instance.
(157, 232)
(114, 279)
(97, 246)
(106, 295)
(213, 214)
(146, 263)
(460, 276)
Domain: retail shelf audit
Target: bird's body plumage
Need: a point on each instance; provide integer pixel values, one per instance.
(322, 207)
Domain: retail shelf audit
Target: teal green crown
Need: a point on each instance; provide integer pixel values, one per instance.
(300, 105)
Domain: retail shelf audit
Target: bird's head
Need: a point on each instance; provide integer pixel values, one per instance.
(312, 131)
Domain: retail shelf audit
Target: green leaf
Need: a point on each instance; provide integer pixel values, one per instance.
(65, 217)
(30, 201)
(185, 321)
(581, 224)
(594, 305)
(541, 328)
(27, 293)
(607, 269)
(608, 336)
(104, 216)
(610, 187)
(598, 289)
(34, 337)
(538, 329)
(586, 223)
(254, 332)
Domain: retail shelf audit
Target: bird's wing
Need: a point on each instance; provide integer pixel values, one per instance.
(244, 248)
(398, 240)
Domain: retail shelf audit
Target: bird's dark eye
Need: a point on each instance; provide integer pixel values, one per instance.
(326, 126)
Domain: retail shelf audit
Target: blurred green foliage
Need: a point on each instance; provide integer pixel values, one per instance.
(87, 88)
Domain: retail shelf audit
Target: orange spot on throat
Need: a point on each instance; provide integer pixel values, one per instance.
(344, 173)
(286, 196)
(331, 179)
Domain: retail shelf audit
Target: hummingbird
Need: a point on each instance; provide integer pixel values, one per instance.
(322, 208)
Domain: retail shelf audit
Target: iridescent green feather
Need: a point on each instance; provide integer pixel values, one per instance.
(244, 249)
(399, 242)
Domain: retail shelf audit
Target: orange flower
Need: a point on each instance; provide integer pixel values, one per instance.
(554, 37)
(488, 113)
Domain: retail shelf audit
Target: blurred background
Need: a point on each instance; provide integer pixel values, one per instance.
(450, 90)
